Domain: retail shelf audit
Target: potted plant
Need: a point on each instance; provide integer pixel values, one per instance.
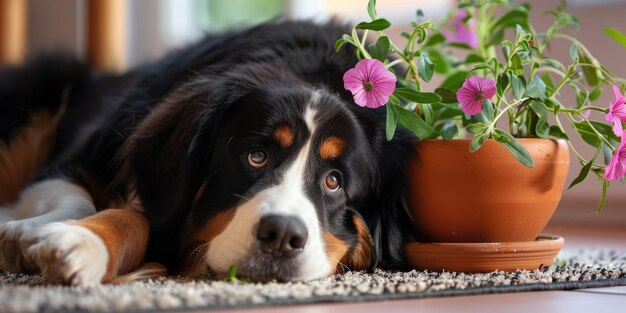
(494, 151)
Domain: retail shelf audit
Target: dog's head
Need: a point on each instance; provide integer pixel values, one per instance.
(260, 169)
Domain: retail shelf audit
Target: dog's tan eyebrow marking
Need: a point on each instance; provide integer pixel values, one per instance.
(284, 135)
(332, 147)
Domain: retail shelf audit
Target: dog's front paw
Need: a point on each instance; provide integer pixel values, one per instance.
(11, 257)
(67, 253)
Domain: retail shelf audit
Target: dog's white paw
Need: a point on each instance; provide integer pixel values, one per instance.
(67, 253)
(11, 257)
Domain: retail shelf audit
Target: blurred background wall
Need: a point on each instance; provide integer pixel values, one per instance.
(142, 30)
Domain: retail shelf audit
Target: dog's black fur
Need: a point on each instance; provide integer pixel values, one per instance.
(166, 162)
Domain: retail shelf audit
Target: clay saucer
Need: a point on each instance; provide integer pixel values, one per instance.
(484, 257)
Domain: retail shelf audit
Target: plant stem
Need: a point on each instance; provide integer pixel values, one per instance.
(364, 39)
(394, 63)
(551, 70)
(569, 143)
(577, 111)
(609, 75)
(357, 43)
(409, 62)
(563, 81)
(512, 104)
(608, 143)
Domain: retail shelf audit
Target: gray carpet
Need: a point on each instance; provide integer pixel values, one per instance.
(583, 269)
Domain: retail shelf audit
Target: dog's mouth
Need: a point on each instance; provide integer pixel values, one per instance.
(265, 268)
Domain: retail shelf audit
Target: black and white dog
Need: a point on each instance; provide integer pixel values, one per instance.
(243, 149)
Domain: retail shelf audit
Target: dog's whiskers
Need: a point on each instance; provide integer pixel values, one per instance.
(242, 197)
(344, 267)
(195, 258)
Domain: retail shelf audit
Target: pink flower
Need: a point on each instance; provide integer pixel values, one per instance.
(617, 166)
(473, 92)
(370, 83)
(464, 31)
(617, 111)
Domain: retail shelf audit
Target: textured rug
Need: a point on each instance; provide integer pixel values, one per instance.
(583, 269)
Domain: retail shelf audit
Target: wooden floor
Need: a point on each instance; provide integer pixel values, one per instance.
(597, 300)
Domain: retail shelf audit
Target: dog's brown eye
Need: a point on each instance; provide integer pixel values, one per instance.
(257, 159)
(331, 182)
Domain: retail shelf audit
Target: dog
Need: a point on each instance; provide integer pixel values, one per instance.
(243, 149)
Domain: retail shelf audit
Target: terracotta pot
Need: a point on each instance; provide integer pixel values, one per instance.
(485, 196)
(484, 257)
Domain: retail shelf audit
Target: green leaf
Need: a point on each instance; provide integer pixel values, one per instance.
(474, 58)
(506, 51)
(417, 96)
(536, 88)
(582, 98)
(380, 49)
(427, 111)
(519, 16)
(425, 67)
(519, 85)
(584, 171)
(573, 52)
(447, 95)
(595, 94)
(442, 65)
(232, 272)
(478, 141)
(476, 128)
(434, 39)
(488, 110)
(542, 128)
(607, 153)
(460, 45)
(589, 136)
(379, 24)
(511, 19)
(516, 148)
(419, 14)
(548, 80)
(371, 9)
(557, 132)
(590, 73)
(392, 121)
(480, 67)
(339, 43)
(455, 81)
(501, 84)
(617, 35)
(605, 187)
(516, 64)
(445, 111)
(499, 138)
(449, 130)
(415, 124)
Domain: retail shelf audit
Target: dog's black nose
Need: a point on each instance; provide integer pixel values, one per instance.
(282, 236)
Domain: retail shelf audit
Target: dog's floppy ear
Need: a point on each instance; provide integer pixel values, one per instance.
(386, 210)
(362, 256)
(156, 157)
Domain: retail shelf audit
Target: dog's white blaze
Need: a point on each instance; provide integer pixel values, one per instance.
(288, 198)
